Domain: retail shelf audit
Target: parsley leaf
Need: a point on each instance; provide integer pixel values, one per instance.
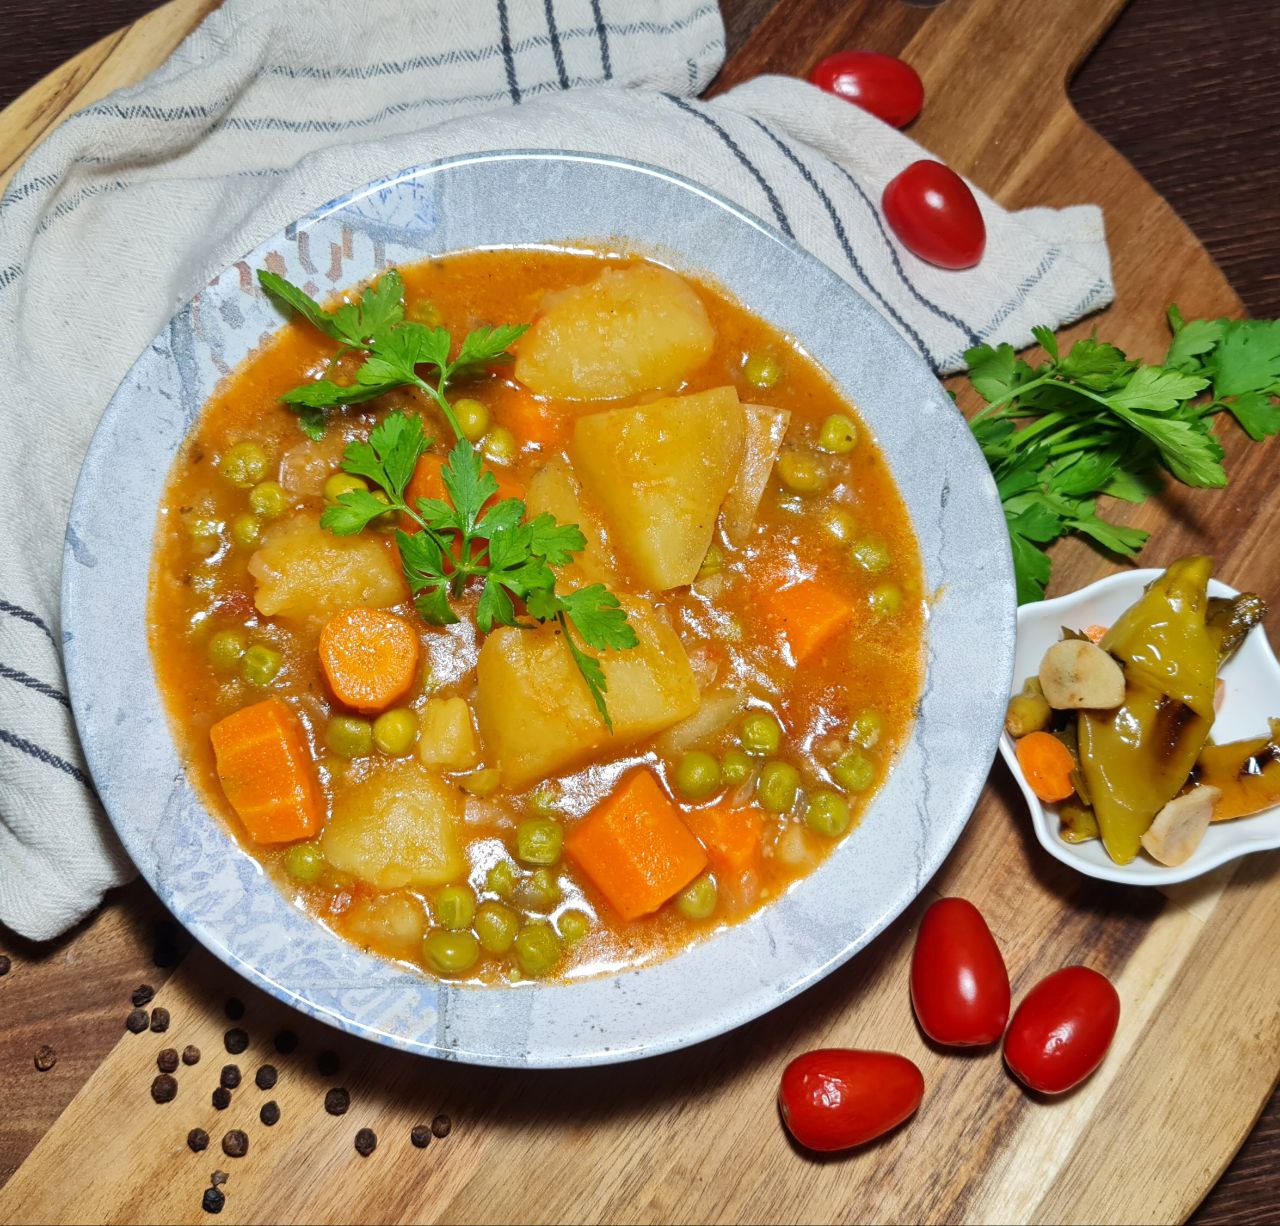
(1248, 358)
(1257, 413)
(390, 455)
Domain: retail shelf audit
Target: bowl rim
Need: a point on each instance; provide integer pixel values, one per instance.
(995, 637)
(1153, 874)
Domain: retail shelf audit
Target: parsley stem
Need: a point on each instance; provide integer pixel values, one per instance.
(1009, 396)
(437, 394)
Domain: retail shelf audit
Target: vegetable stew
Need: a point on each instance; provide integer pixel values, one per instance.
(514, 653)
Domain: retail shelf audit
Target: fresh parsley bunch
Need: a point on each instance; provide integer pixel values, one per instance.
(1093, 422)
(469, 537)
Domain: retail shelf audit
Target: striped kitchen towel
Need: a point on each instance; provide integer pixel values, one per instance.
(274, 106)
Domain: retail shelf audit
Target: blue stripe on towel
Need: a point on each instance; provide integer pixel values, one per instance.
(33, 683)
(25, 615)
(43, 755)
(557, 50)
(602, 32)
(508, 59)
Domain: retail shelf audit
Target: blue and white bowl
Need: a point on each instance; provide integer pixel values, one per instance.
(221, 893)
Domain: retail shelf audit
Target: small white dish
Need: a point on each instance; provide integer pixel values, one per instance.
(1252, 696)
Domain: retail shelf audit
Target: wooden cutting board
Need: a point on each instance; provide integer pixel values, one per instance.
(694, 1136)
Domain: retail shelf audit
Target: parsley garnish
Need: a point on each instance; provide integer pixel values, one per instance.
(468, 536)
(1093, 422)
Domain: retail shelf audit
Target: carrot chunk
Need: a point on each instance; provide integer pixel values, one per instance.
(531, 420)
(733, 838)
(427, 482)
(1047, 765)
(1095, 634)
(369, 657)
(635, 848)
(808, 613)
(267, 772)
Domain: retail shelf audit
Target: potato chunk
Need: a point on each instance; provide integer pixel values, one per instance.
(390, 923)
(659, 473)
(765, 429)
(306, 575)
(397, 828)
(630, 330)
(536, 715)
(447, 739)
(552, 489)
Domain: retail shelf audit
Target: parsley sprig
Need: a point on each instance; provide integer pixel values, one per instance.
(1093, 422)
(472, 535)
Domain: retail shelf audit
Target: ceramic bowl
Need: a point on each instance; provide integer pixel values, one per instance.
(222, 895)
(1251, 696)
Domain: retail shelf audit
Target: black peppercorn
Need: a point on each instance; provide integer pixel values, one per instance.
(5, 964)
(218, 1178)
(234, 1008)
(420, 1135)
(327, 1063)
(190, 1054)
(441, 1126)
(286, 1042)
(167, 1061)
(222, 1098)
(230, 1078)
(142, 995)
(336, 1101)
(160, 1020)
(213, 1201)
(197, 1140)
(265, 1077)
(366, 1142)
(270, 1113)
(164, 1089)
(137, 1021)
(46, 1058)
(235, 1040)
(235, 1144)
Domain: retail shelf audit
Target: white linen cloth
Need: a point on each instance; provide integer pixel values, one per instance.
(274, 106)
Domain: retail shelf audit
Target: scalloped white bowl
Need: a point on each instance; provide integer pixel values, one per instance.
(1252, 681)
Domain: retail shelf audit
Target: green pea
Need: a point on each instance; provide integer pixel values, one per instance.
(206, 536)
(735, 767)
(697, 901)
(500, 445)
(245, 464)
(866, 729)
(450, 953)
(424, 312)
(712, 564)
(388, 519)
(496, 926)
(543, 802)
(473, 418)
(697, 775)
(304, 862)
(538, 841)
(349, 736)
(778, 786)
(759, 733)
(801, 472)
(541, 889)
(574, 925)
(871, 555)
(260, 664)
(268, 499)
(394, 732)
(537, 948)
(838, 434)
(853, 771)
(342, 483)
(245, 530)
(226, 647)
(454, 907)
(501, 879)
(886, 600)
(827, 813)
(483, 782)
(839, 525)
(761, 370)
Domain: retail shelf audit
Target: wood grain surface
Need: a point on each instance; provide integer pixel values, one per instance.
(693, 1136)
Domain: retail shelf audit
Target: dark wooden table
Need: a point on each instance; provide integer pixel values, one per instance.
(1184, 88)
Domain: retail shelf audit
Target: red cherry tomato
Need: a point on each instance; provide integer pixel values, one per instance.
(1062, 1029)
(835, 1098)
(959, 985)
(931, 209)
(883, 84)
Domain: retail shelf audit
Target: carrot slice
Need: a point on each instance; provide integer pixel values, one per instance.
(369, 657)
(1047, 765)
(807, 613)
(732, 837)
(267, 773)
(635, 848)
(532, 420)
